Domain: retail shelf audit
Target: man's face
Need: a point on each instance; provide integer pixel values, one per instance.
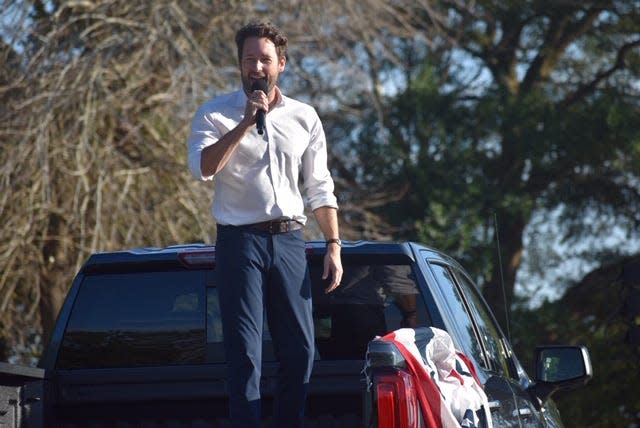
(260, 62)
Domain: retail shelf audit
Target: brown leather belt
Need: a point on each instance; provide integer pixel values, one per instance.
(276, 226)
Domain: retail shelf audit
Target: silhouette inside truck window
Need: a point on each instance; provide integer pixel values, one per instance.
(371, 301)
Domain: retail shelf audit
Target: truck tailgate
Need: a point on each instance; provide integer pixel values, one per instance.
(195, 396)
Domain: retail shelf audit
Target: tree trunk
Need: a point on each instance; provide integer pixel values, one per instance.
(54, 275)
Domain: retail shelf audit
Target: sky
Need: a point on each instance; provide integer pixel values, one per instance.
(551, 265)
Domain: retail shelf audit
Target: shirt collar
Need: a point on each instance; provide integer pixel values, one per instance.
(280, 100)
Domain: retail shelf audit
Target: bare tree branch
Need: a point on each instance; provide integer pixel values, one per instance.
(588, 88)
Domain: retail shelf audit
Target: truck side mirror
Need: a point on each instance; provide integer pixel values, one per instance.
(560, 367)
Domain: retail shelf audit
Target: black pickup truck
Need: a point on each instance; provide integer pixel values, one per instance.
(138, 342)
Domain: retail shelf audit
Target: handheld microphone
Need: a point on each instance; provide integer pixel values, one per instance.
(260, 85)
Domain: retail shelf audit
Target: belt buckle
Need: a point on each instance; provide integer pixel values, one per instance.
(283, 226)
(274, 227)
(279, 226)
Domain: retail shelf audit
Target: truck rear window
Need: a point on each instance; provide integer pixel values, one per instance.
(136, 319)
(173, 318)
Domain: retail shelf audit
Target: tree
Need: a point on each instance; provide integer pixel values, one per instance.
(95, 110)
(579, 317)
(97, 98)
(444, 118)
(525, 107)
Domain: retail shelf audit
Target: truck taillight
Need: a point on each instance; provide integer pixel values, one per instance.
(396, 401)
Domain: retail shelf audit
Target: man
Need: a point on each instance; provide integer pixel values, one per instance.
(258, 206)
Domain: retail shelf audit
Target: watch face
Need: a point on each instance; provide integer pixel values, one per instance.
(334, 241)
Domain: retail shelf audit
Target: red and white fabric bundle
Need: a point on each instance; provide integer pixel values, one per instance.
(449, 391)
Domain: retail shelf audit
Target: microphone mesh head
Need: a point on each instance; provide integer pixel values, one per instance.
(259, 85)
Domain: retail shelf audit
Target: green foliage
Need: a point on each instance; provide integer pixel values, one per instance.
(551, 124)
(590, 315)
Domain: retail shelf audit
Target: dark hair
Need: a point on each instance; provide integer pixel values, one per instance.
(260, 30)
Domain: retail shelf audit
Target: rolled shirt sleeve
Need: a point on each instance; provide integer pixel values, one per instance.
(318, 185)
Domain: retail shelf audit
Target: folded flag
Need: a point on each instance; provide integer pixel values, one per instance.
(448, 389)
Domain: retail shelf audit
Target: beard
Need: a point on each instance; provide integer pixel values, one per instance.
(247, 84)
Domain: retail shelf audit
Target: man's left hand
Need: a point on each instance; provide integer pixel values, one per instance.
(332, 267)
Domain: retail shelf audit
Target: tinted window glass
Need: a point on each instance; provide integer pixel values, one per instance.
(131, 319)
(372, 300)
(488, 330)
(466, 329)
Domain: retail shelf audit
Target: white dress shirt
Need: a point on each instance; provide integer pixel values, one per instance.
(260, 181)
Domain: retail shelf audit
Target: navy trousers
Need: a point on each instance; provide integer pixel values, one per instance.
(258, 271)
